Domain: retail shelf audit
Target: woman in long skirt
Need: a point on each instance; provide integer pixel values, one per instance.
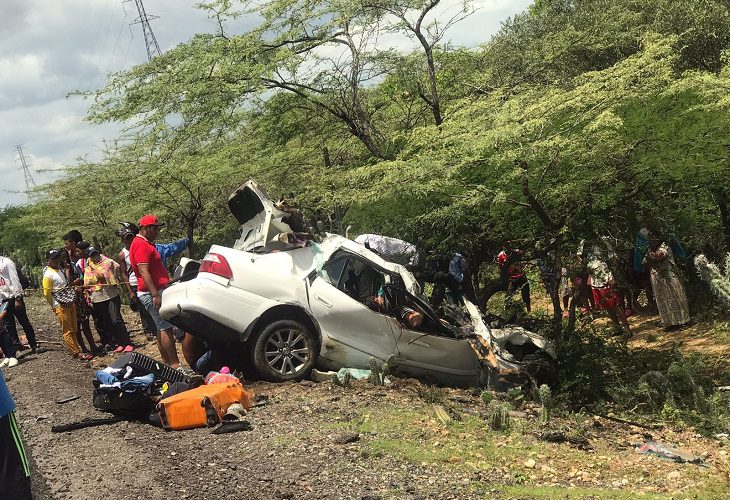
(669, 293)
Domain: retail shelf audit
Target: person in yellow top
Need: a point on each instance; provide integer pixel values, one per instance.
(54, 280)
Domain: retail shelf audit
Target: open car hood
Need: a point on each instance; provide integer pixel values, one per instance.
(261, 222)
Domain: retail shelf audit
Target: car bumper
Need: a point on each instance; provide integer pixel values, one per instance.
(208, 309)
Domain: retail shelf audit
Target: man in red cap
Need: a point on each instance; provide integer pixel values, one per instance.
(152, 278)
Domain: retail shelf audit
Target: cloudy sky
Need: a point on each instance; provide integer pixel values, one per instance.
(48, 49)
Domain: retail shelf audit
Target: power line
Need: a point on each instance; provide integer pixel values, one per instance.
(153, 48)
(29, 182)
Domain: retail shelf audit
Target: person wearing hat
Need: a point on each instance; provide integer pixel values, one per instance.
(101, 282)
(127, 234)
(152, 278)
(55, 280)
(166, 250)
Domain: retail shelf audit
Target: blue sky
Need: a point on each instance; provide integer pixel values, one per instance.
(48, 49)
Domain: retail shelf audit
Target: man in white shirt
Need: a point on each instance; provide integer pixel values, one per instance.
(10, 288)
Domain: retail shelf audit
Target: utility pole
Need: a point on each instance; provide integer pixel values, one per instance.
(153, 48)
(29, 182)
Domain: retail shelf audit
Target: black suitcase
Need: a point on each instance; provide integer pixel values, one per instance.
(116, 401)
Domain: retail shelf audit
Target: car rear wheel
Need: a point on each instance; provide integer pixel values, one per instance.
(285, 350)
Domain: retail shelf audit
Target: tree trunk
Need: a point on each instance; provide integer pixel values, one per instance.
(722, 204)
(189, 234)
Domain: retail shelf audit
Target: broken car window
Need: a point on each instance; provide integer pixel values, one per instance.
(332, 270)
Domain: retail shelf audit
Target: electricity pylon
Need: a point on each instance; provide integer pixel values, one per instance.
(153, 48)
(29, 182)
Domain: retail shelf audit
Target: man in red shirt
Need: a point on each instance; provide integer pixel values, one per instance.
(152, 278)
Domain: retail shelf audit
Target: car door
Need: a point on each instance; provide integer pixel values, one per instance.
(434, 351)
(354, 333)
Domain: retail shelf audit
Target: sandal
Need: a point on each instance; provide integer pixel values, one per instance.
(86, 357)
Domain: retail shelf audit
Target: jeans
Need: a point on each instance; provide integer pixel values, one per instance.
(22, 316)
(148, 324)
(160, 324)
(110, 316)
(8, 334)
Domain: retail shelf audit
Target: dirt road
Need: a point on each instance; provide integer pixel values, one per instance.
(324, 441)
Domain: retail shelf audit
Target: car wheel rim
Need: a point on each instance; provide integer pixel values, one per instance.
(287, 352)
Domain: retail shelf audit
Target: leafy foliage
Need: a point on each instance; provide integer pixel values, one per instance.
(578, 120)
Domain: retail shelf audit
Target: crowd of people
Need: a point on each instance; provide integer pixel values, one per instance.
(81, 283)
(600, 279)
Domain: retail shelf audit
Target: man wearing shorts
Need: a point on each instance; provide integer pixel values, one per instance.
(152, 278)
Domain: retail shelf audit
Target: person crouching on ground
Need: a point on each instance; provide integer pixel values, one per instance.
(152, 278)
(101, 281)
(14, 469)
(60, 296)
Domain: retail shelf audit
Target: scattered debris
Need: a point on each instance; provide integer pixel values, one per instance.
(67, 400)
(350, 437)
(677, 454)
(87, 422)
(228, 426)
(320, 376)
(559, 436)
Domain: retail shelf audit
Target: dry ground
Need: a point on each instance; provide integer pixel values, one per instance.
(324, 441)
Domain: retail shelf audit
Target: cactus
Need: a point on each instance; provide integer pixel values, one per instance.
(345, 382)
(377, 376)
(718, 281)
(546, 398)
(384, 371)
(498, 415)
(486, 397)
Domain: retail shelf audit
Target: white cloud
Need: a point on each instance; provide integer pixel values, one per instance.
(48, 49)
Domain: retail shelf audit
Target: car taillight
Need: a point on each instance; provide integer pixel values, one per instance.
(215, 263)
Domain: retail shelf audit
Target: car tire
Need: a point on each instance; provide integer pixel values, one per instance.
(285, 350)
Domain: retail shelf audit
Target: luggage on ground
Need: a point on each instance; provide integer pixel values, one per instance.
(202, 406)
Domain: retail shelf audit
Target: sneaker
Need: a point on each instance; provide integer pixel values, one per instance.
(4, 362)
(12, 362)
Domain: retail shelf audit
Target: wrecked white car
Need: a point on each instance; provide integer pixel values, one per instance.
(293, 304)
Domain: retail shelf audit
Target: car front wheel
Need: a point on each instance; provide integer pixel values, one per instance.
(285, 350)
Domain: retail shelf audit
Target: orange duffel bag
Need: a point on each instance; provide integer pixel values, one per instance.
(204, 405)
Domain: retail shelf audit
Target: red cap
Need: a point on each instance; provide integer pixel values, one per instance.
(150, 220)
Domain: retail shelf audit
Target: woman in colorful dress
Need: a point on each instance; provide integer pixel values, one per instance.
(671, 299)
